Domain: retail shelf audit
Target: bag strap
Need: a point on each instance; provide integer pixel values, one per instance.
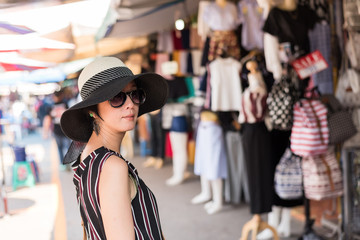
(317, 122)
(328, 171)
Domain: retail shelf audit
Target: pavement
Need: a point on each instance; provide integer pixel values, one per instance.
(48, 211)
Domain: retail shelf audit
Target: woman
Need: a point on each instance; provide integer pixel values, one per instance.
(114, 202)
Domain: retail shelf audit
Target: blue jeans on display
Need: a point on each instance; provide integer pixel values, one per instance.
(63, 144)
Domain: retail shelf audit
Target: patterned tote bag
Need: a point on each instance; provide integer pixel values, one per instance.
(288, 176)
(322, 176)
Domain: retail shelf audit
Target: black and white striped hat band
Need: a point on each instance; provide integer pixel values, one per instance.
(103, 78)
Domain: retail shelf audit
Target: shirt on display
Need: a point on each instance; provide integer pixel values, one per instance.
(250, 16)
(291, 26)
(221, 18)
(225, 84)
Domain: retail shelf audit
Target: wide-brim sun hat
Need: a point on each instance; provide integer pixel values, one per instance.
(100, 81)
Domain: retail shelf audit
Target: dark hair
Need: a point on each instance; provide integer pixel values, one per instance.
(93, 108)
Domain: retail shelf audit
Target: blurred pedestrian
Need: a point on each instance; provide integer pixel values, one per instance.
(51, 124)
(112, 99)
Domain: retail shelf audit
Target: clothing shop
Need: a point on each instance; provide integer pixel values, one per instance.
(264, 107)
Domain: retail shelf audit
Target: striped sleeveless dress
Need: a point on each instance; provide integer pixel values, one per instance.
(143, 206)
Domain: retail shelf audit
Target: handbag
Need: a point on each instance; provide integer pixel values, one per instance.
(280, 103)
(340, 122)
(354, 141)
(288, 176)
(347, 90)
(322, 176)
(310, 132)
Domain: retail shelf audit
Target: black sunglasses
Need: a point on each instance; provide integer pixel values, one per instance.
(137, 96)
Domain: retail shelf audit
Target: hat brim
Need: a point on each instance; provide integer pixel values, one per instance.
(75, 122)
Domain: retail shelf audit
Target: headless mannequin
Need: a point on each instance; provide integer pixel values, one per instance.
(256, 224)
(179, 141)
(210, 189)
(271, 46)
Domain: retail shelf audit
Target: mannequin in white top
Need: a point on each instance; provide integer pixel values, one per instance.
(271, 46)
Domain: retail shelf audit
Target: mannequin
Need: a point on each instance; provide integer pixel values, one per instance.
(210, 162)
(299, 19)
(275, 36)
(222, 18)
(179, 140)
(256, 141)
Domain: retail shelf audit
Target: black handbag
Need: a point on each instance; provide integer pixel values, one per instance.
(340, 122)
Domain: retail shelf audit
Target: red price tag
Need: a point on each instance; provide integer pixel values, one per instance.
(310, 64)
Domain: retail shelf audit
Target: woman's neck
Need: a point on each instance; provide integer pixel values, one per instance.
(288, 5)
(220, 3)
(109, 141)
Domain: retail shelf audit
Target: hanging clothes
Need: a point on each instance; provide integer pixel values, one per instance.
(253, 106)
(165, 42)
(226, 91)
(256, 145)
(223, 43)
(210, 153)
(223, 22)
(202, 25)
(221, 18)
(291, 26)
(320, 39)
(237, 181)
(250, 16)
(157, 135)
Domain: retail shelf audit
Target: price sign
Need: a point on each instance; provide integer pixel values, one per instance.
(310, 64)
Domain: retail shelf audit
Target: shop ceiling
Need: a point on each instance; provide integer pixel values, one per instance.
(110, 27)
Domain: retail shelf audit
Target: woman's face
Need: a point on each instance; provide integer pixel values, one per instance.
(119, 119)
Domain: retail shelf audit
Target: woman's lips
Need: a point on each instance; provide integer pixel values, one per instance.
(129, 117)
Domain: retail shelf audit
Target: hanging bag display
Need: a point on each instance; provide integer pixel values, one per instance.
(280, 103)
(348, 90)
(310, 133)
(340, 122)
(288, 176)
(354, 141)
(322, 176)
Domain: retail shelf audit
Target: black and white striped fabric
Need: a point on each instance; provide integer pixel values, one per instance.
(144, 207)
(102, 78)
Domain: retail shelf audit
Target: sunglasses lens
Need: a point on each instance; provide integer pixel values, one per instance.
(138, 96)
(118, 100)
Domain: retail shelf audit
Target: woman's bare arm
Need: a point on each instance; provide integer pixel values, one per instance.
(115, 200)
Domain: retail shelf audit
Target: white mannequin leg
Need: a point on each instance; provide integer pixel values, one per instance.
(217, 203)
(284, 226)
(205, 194)
(180, 159)
(273, 220)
